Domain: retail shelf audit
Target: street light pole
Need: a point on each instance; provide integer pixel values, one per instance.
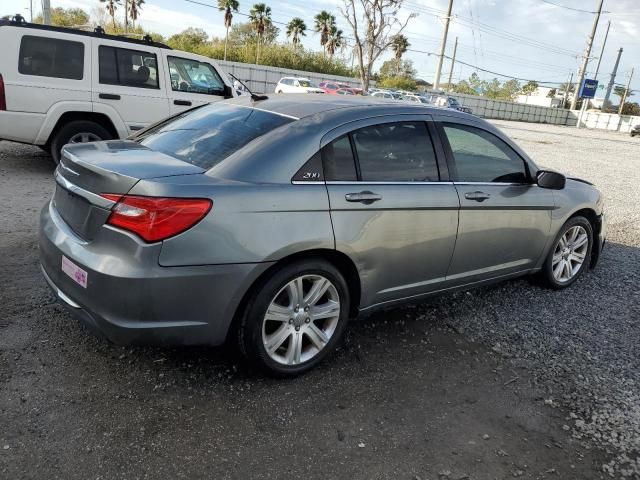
(626, 91)
(583, 69)
(453, 61)
(436, 82)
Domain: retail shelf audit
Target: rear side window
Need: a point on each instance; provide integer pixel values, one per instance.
(339, 164)
(51, 57)
(207, 135)
(131, 68)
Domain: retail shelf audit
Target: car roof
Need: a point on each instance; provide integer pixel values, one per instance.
(297, 106)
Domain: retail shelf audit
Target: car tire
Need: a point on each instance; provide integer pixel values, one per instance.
(562, 267)
(264, 319)
(77, 128)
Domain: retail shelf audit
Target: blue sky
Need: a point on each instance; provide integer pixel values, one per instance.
(531, 39)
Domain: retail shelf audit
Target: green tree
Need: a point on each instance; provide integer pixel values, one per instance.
(398, 83)
(188, 40)
(335, 40)
(228, 7)
(111, 6)
(66, 17)
(397, 68)
(492, 89)
(631, 108)
(464, 87)
(296, 28)
(259, 17)
(509, 90)
(324, 22)
(134, 10)
(399, 45)
(244, 35)
(530, 87)
(478, 85)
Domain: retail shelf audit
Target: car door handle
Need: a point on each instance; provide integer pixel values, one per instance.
(365, 197)
(109, 96)
(477, 196)
(186, 103)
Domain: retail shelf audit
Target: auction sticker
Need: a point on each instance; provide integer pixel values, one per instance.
(74, 271)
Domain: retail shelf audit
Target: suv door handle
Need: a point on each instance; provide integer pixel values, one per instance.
(109, 96)
(477, 196)
(186, 103)
(365, 197)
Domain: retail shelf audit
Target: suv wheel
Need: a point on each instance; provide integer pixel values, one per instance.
(296, 318)
(570, 255)
(78, 131)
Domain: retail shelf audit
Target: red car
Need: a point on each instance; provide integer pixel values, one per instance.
(333, 87)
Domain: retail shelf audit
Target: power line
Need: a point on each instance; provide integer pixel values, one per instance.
(569, 8)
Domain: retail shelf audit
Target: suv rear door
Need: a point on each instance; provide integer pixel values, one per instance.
(129, 79)
(191, 81)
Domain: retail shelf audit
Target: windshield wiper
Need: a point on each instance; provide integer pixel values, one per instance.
(254, 97)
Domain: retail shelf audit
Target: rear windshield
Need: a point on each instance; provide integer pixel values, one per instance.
(207, 135)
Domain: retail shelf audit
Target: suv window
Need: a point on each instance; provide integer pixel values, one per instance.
(482, 157)
(131, 68)
(207, 135)
(51, 57)
(194, 76)
(396, 152)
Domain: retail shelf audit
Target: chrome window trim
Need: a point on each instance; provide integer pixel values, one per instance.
(496, 183)
(349, 182)
(91, 197)
(310, 182)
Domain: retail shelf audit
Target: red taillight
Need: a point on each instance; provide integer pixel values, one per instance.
(156, 218)
(3, 98)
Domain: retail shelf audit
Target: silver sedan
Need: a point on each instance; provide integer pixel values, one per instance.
(271, 223)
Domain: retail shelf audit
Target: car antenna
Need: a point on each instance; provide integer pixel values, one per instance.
(254, 96)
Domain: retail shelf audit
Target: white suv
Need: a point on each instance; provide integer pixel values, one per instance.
(296, 85)
(59, 85)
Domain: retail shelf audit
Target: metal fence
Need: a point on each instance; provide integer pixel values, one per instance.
(263, 79)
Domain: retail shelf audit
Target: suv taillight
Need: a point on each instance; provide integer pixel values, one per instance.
(3, 98)
(156, 218)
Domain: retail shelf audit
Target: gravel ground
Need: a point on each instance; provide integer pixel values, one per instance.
(502, 382)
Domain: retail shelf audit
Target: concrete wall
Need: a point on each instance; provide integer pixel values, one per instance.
(263, 79)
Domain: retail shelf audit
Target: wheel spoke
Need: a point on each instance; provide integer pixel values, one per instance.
(580, 241)
(294, 290)
(557, 270)
(326, 310)
(566, 270)
(295, 349)
(557, 257)
(278, 313)
(317, 336)
(277, 338)
(574, 233)
(316, 292)
(578, 257)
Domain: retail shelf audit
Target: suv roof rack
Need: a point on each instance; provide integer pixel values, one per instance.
(19, 21)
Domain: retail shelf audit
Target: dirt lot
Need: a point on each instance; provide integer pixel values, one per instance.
(504, 382)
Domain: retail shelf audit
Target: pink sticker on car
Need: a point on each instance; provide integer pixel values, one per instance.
(75, 272)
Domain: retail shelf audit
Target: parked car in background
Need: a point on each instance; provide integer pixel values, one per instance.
(635, 130)
(299, 214)
(382, 94)
(339, 88)
(61, 85)
(344, 91)
(415, 99)
(297, 85)
(447, 101)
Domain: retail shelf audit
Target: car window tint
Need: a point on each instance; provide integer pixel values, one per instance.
(194, 76)
(51, 57)
(206, 136)
(131, 68)
(396, 152)
(339, 164)
(482, 157)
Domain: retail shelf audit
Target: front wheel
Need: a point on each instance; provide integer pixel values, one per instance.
(570, 255)
(295, 318)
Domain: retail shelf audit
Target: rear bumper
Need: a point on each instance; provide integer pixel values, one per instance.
(131, 299)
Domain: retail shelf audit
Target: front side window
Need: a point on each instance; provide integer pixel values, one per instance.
(396, 152)
(207, 135)
(131, 68)
(194, 76)
(305, 83)
(51, 57)
(482, 157)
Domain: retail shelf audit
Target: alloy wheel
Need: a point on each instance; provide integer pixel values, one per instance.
(301, 319)
(84, 137)
(570, 253)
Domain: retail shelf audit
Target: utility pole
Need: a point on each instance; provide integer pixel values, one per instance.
(604, 43)
(566, 90)
(583, 69)
(31, 10)
(453, 61)
(46, 12)
(436, 82)
(126, 16)
(626, 91)
(612, 80)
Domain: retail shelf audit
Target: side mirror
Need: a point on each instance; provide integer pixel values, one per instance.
(228, 93)
(549, 179)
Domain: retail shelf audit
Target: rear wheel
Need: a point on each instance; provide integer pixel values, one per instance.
(78, 131)
(570, 254)
(296, 318)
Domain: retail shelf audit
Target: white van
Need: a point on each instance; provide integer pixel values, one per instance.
(59, 85)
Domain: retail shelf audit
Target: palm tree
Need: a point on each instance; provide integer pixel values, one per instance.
(399, 45)
(228, 6)
(334, 41)
(111, 6)
(134, 10)
(295, 29)
(324, 21)
(260, 17)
